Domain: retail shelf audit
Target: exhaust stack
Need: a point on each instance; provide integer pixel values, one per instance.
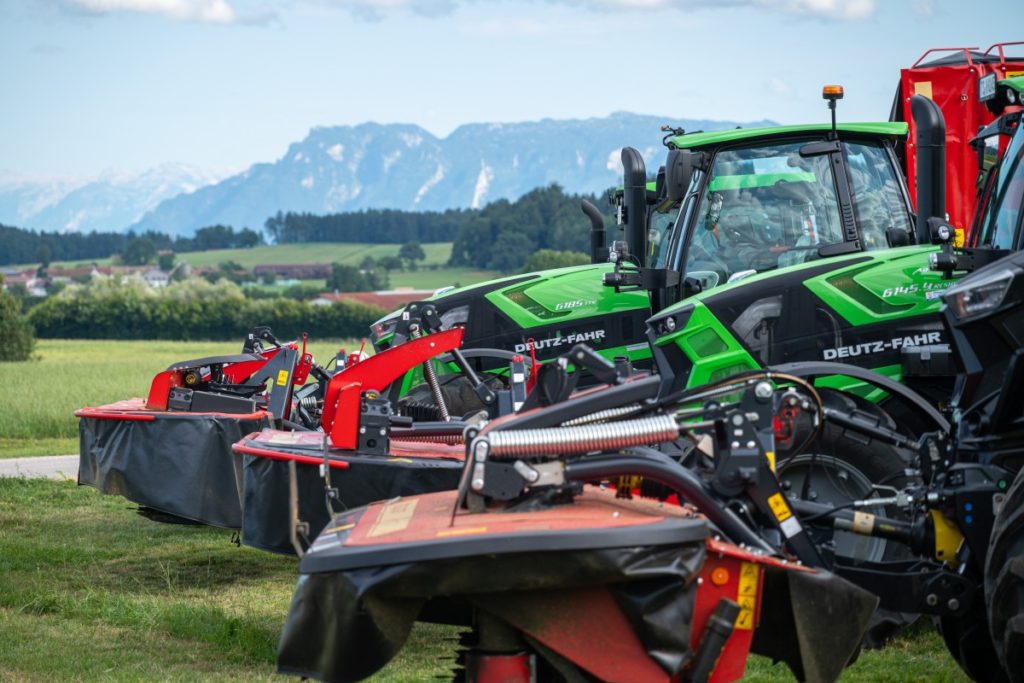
(598, 239)
(931, 164)
(634, 203)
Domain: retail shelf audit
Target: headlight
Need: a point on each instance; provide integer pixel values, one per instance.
(971, 299)
(456, 316)
(385, 326)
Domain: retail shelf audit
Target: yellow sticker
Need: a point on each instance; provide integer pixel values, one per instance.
(923, 88)
(779, 507)
(746, 595)
(462, 532)
(748, 579)
(393, 517)
(282, 377)
(863, 523)
(771, 459)
(960, 236)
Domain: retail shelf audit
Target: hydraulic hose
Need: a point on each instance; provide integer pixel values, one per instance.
(610, 436)
(658, 467)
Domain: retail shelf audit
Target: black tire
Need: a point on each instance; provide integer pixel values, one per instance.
(459, 397)
(839, 468)
(968, 642)
(1004, 582)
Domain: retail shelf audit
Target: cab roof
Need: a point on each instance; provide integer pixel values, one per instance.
(717, 137)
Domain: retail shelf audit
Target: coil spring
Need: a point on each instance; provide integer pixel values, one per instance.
(602, 415)
(450, 439)
(610, 436)
(311, 403)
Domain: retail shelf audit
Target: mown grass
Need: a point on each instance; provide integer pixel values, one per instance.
(38, 398)
(92, 591)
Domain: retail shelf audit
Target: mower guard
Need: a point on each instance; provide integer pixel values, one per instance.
(178, 463)
(812, 621)
(616, 594)
(360, 478)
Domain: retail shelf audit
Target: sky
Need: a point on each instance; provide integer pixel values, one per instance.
(94, 85)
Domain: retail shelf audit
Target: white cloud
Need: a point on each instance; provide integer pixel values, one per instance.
(780, 87)
(374, 10)
(198, 11)
(844, 10)
(828, 9)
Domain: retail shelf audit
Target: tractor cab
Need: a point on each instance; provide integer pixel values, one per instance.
(732, 204)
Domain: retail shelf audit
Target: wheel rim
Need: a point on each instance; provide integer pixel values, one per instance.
(837, 482)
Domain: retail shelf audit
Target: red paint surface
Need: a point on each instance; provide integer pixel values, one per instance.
(594, 509)
(955, 90)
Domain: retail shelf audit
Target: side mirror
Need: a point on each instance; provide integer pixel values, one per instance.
(678, 172)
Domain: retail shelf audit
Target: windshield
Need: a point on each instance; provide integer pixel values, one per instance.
(765, 207)
(877, 193)
(1001, 208)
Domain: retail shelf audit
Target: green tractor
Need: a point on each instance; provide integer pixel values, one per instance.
(737, 211)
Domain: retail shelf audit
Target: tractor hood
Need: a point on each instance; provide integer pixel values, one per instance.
(549, 310)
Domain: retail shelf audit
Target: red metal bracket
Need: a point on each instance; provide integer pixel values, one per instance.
(340, 418)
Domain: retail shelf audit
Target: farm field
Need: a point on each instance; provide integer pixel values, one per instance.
(335, 252)
(142, 600)
(41, 395)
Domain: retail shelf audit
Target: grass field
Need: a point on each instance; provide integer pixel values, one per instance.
(93, 591)
(334, 252)
(40, 396)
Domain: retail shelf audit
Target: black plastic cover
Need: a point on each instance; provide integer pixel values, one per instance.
(266, 522)
(179, 463)
(345, 625)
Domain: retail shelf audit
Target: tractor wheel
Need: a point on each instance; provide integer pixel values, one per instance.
(968, 642)
(842, 467)
(459, 398)
(1004, 582)
(839, 469)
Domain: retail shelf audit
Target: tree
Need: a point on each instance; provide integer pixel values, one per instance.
(351, 279)
(247, 239)
(43, 256)
(15, 331)
(390, 262)
(546, 259)
(412, 252)
(166, 261)
(139, 252)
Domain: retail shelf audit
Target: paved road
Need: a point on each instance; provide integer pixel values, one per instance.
(48, 466)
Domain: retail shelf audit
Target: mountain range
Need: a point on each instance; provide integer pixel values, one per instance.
(351, 168)
(110, 201)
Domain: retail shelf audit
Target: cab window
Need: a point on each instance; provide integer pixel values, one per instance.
(1000, 216)
(764, 207)
(877, 194)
